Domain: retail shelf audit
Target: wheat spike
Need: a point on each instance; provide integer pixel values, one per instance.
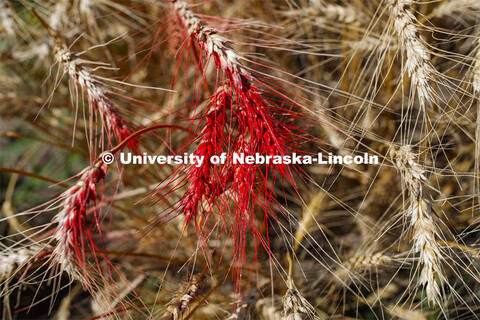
(476, 68)
(295, 306)
(418, 65)
(182, 300)
(425, 231)
(12, 259)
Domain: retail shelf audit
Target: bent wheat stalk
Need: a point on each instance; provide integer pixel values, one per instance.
(72, 235)
(70, 249)
(253, 129)
(97, 97)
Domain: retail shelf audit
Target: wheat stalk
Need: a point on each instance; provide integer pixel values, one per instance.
(182, 300)
(323, 14)
(406, 314)
(417, 60)
(254, 130)
(366, 261)
(448, 7)
(70, 234)
(425, 231)
(98, 100)
(12, 259)
(476, 68)
(348, 272)
(295, 306)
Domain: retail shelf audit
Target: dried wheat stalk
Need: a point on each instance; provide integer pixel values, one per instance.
(183, 299)
(425, 231)
(446, 8)
(12, 259)
(417, 63)
(295, 306)
(98, 100)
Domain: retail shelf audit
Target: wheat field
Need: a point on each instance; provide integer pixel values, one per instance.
(126, 193)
